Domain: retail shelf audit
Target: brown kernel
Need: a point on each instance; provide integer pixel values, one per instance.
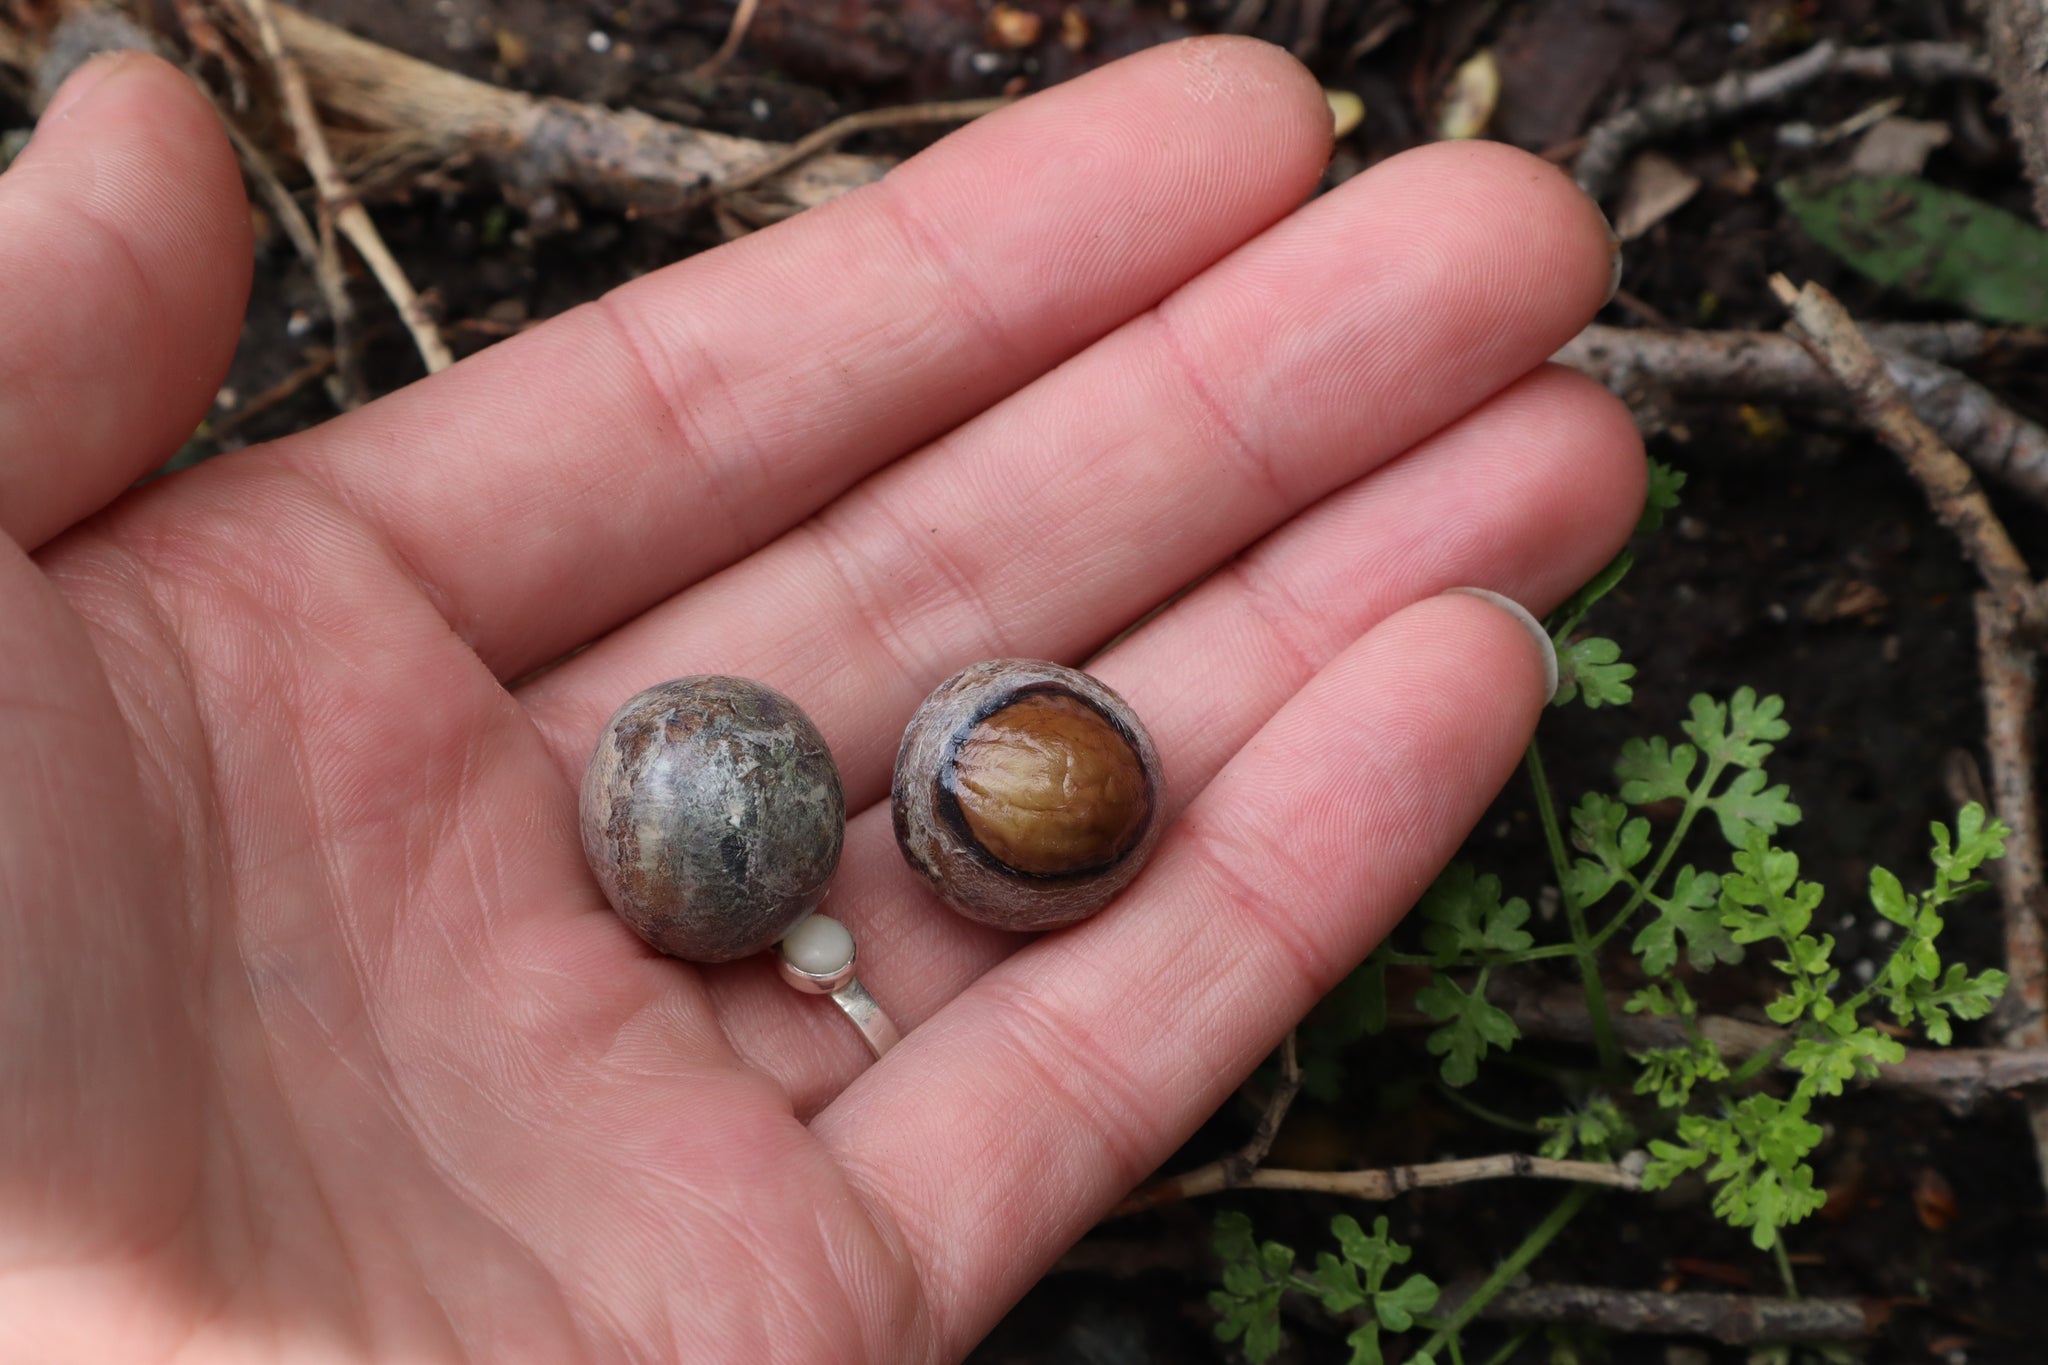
(1048, 786)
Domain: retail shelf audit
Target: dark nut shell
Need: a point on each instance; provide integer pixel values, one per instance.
(712, 815)
(1027, 793)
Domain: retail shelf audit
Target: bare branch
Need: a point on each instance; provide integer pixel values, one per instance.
(2017, 36)
(1960, 1078)
(1825, 329)
(1732, 1319)
(1644, 364)
(1682, 106)
(2009, 694)
(1388, 1182)
(1241, 1166)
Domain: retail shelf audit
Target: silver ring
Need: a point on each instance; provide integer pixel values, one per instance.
(816, 957)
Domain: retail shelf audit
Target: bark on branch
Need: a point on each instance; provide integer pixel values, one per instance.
(1732, 1319)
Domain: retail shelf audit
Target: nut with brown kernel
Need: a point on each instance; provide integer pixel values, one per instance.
(1027, 793)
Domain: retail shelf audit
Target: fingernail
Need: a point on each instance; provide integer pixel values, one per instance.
(1544, 645)
(80, 83)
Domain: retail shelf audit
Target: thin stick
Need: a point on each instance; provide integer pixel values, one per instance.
(1644, 365)
(1959, 1078)
(338, 200)
(320, 360)
(1825, 329)
(1610, 142)
(2017, 36)
(1240, 1167)
(1732, 1319)
(2009, 696)
(320, 256)
(1387, 1182)
(867, 121)
(742, 20)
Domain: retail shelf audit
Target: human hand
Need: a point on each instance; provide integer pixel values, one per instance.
(319, 1038)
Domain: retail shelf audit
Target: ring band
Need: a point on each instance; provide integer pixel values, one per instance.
(825, 950)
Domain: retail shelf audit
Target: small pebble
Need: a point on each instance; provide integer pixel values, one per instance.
(1865, 971)
(299, 323)
(599, 41)
(1738, 33)
(759, 109)
(986, 63)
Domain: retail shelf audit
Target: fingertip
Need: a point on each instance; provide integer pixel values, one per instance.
(1560, 240)
(1227, 64)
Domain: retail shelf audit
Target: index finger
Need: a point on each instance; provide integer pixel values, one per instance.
(556, 484)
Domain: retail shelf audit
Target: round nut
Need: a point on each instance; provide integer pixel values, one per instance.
(712, 816)
(1027, 793)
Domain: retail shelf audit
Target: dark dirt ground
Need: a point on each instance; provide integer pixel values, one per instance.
(1784, 510)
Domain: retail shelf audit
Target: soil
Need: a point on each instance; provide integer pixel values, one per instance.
(1803, 563)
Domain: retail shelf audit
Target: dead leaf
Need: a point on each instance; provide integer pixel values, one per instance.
(1010, 27)
(1347, 111)
(1933, 1200)
(1470, 97)
(1839, 599)
(1898, 146)
(1074, 33)
(1657, 187)
(513, 50)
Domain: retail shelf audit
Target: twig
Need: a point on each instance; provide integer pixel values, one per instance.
(1732, 1319)
(1960, 1078)
(1241, 1166)
(1643, 364)
(1387, 1182)
(337, 199)
(387, 112)
(320, 360)
(1611, 140)
(2017, 36)
(742, 20)
(866, 121)
(1825, 329)
(2009, 693)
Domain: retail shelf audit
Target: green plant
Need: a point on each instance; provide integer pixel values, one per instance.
(1355, 1283)
(1623, 886)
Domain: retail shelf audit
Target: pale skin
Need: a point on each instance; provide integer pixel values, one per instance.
(316, 1037)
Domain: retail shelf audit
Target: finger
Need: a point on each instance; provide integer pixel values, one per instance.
(562, 481)
(1528, 496)
(1068, 1072)
(1313, 355)
(124, 242)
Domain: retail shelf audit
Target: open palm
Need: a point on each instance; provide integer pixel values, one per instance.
(318, 1037)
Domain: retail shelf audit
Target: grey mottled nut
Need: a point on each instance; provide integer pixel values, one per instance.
(1027, 793)
(712, 815)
